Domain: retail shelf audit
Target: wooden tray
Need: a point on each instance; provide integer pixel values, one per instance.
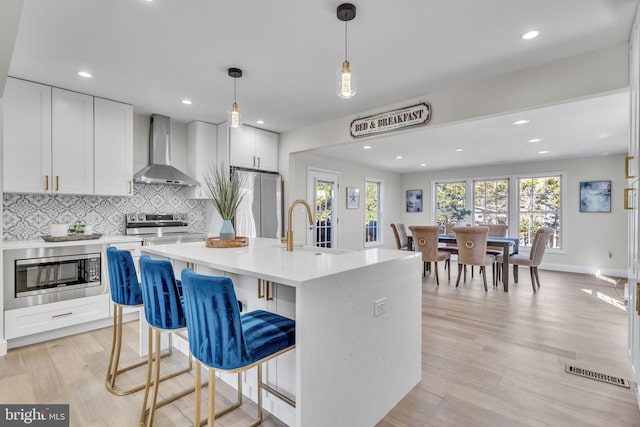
(71, 237)
(215, 242)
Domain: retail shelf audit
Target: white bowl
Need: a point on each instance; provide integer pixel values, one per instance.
(58, 230)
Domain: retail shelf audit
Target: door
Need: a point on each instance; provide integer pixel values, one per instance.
(323, 193)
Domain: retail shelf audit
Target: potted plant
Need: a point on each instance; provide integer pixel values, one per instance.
(224, 188)
(458, 213)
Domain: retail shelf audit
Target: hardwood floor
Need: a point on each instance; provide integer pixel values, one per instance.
(498, 359)
(489, 359)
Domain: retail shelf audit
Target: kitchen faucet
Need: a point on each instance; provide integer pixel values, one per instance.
(289, 238)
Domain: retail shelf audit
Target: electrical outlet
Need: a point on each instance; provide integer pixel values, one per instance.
(380, 306)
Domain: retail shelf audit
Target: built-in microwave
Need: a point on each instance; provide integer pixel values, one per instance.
(53, 274)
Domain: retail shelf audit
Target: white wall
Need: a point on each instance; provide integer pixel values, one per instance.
(590, 236)
(351, 221)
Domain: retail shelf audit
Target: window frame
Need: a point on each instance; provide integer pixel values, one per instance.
(380, 221)
(514, 201)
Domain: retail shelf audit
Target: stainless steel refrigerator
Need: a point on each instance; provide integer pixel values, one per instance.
(260, 212)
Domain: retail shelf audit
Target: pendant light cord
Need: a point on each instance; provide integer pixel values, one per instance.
(234, 90)
(345, 40)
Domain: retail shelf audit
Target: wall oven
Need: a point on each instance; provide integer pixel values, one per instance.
(44, 275)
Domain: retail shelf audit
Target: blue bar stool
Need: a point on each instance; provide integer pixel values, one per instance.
(163, 310)
(222, 339)
(125, 292)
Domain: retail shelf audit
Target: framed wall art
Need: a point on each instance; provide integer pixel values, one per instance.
(414, 200)
(595, 196)
(353, 198)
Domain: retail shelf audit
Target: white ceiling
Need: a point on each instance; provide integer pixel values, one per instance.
(154, 54)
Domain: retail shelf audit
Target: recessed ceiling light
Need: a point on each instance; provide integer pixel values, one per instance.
(530, 35)
(459, 149)
(366, 147)
(398, 157)
(85, 74)
(186, 101)
(543, 152)
(260, 122)
(535, 140)
(423, 165)
(520, 122)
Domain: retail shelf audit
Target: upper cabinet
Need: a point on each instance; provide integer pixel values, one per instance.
(27, 137)
(253, 148)
(52, 144)
(71, 142)
(202, 153)
(113, 147)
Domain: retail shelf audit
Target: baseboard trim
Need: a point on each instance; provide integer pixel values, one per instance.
(3, 347)
(615, 272)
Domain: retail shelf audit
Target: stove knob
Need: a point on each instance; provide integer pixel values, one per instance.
(131, 217)
(183, 217)
(141, 217)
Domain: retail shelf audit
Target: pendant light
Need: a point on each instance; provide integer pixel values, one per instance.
(234, 114)
(346, 82)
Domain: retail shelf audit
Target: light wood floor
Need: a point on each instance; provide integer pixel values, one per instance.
(489, 359)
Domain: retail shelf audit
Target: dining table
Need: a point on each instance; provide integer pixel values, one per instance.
(509, 245)
(506, 243)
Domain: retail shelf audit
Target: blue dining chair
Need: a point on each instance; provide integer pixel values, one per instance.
(164, 312)
(224, 340)
(125, 292)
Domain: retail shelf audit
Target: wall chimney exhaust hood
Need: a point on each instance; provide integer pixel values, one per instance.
(159, 170)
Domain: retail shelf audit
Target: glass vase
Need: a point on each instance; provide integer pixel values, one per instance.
(227, 232)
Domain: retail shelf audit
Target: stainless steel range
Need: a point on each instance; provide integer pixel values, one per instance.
(160, 229)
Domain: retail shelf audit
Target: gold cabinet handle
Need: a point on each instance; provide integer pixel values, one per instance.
(269, 296)
(46, 182)
(254, 161)
(260, 292)
(258, 162)
(627, 205)
(638, 298)
(57, 183)
(55, 316)
(130, 186)
(626, 167)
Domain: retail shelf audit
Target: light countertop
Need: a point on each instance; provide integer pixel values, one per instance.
(8, 245)
(269, 259)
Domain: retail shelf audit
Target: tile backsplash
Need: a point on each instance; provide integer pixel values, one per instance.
(27, 216)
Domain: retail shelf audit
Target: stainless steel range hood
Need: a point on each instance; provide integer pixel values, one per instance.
(159, 170)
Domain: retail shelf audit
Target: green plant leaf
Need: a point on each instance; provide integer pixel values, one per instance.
(224, 189)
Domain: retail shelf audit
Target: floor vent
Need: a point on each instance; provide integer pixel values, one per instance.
(596, 376)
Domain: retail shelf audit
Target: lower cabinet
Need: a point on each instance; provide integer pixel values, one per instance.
(46, 317)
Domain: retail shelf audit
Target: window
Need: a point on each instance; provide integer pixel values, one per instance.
(450, 201)
(373, 212)
(491, 201)
(540, 202)
(324, 213)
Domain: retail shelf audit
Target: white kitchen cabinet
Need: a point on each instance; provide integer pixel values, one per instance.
(46, 317)
(71, 142)
(113, 148)
(253, 148)
(202, 153)
(27, 137)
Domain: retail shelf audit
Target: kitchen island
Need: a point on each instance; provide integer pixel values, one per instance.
(358, 323)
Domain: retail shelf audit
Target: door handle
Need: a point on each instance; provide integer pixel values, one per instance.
(627, 205)
(626, 166)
